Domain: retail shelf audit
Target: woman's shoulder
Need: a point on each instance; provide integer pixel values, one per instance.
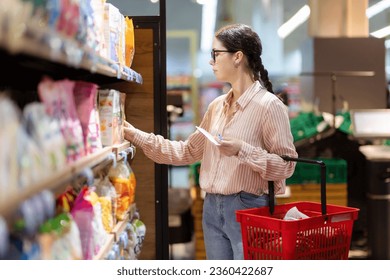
(265, 96)
(269, 101)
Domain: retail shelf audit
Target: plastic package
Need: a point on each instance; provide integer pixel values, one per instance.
(130, 45)
(45, 131)
(119, 176)
(109, 114)
(85, 95)
(59, 103)
(99, 232)
(294, 214)
(83, 214)
(9, 123)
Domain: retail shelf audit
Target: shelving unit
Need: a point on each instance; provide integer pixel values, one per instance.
(38, 53)
(146, 110)
(53, 48)
(33, 60)
(29, 58)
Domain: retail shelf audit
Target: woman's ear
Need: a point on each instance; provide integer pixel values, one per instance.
(238, 57)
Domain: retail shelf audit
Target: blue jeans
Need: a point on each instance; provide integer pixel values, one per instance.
(222, 233)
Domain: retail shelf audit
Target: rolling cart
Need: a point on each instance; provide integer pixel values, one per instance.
(324, 235)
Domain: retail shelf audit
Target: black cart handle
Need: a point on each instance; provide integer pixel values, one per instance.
(271, 188)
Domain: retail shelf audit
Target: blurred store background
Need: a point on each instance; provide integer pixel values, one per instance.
(332, 59)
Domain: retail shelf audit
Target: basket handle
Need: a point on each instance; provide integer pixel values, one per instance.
(271, 189)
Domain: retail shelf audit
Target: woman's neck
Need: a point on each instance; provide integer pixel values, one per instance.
(241, 85)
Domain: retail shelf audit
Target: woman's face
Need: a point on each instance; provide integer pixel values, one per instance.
(223, 65)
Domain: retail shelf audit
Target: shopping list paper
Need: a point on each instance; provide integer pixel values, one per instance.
(208, 135)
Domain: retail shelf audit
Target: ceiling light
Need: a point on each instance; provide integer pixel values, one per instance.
(296, 20)
(209, 11)
(377, 8)
(381, 32)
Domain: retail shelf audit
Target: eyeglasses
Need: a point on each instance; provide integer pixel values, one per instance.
(216, 51)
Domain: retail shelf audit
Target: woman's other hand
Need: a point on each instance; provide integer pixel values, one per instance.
(129, 131)
(229, 146)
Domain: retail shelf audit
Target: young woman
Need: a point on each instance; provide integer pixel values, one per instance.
(251, 127)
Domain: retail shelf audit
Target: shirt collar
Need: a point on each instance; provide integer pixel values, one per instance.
(246, 97)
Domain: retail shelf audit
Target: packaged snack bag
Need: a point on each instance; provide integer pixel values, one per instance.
(59, 103)
(140, 230)
(109, 114)
(129, 37)
(95, 33)
(85, 101)
(119, 176)
(112, 33)
(83, 214)
(69, 18)
(133, 181)
(99, 233)
(107, 198)
(45, 131)
(133, 184)
(9, 169)
(59, 239)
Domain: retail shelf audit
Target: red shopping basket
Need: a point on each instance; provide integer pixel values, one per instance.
(324, 235)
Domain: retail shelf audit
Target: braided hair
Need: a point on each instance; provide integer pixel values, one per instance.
(240, 37)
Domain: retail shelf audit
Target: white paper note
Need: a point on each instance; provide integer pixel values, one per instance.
(208, 135)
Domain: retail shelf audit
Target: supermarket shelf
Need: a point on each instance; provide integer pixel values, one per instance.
(105, 249)
(48, 52)
(126, 147)
(58, 179)
(121, 225)
(113, 236)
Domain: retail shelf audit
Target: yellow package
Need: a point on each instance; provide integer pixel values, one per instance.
(130, 44)
(119, 176)
(108, 222)
(122, 187)
(133, 185)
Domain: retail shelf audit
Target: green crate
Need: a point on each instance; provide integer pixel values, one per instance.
(305, 173)
(305, 125)
(346, 125)
(194, 172)
(336, 172)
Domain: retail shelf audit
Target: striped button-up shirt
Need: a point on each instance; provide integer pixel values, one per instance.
(259, 119)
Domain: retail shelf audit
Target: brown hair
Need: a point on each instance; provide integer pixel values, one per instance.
(240, 37)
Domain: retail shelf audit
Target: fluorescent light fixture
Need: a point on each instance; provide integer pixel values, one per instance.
(209, 15)
(377, 8)
(296, 20)
(381, 32)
